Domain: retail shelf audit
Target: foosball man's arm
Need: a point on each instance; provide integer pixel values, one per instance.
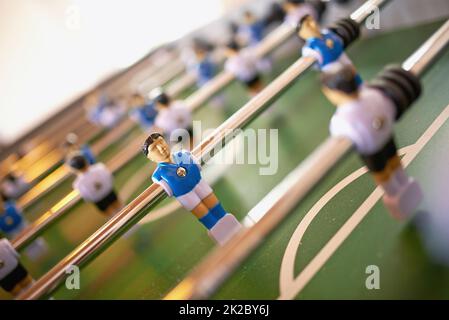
(347, 29)
(402, 87)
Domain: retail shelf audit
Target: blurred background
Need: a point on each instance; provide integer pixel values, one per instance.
(54, 51)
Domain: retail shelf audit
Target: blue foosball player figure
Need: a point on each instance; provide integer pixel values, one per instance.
(326, 46)
(250, 34)
(11, 219)
(71, 145)
(242, 63)
(106, 112)
(142, 112)
(179, 174)
(296, 9)
(205, 68)
(13, 223)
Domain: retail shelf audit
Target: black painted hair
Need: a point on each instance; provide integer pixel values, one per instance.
(300, 23)
(248, 14)
(159, 96)
(149, 141)
(233, 45)
(77, 161)
(295, 1)
(136, 95)
(202, 44)
(162, 98)
(341, 78)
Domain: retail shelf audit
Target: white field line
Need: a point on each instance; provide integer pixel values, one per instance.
(290, 286)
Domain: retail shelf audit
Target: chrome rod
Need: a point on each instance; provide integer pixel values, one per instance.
(422, 59)
(134, 211)
(62, 207)
(223, 79)
(53, 215)
(276, 206)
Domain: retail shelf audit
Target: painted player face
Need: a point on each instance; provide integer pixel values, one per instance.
(230, 52)
(159, 151)
(2, 206)
(288, 6)
(160, 106)
(248, 18)
(309, 29)
(336, 97)
(137, 101)
(200, 54)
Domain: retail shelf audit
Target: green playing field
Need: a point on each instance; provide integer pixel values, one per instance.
(148, 262)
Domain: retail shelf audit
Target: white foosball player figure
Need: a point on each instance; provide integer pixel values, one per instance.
(296, 9)
(104, 112)
(179, 175)
(250, 33)
(366, 116)
(14, 278)
(174, 119)
(243, 64)
(13, 186)
(95, 183)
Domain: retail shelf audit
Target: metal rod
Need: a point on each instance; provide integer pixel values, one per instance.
(197, 99)
(223, 79)
(108, 136)
(134, 211)
(422, 59)
(163, 77)
(53, 215)
(61, 208)
(220, 264)
(276, 206)
(33, 230)
(61, 174)
(368, 8)
(181, 84)
(210, 145)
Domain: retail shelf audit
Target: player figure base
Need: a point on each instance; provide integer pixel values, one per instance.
(405, 202)
(225, 229)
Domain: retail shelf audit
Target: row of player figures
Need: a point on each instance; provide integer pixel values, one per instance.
(94, 181)
(108, 112)
(203, 64)
(365, 114)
